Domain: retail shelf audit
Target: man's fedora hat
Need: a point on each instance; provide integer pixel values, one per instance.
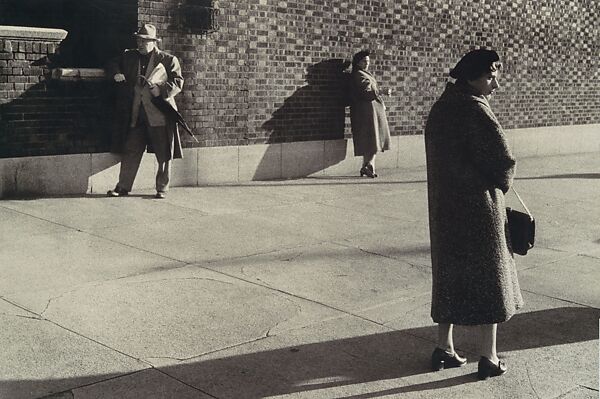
(147, 32)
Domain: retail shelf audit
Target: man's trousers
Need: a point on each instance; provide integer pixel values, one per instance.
(135, 145)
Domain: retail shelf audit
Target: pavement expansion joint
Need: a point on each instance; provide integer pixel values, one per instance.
(559, 299)
(179, 279)
(212, 352)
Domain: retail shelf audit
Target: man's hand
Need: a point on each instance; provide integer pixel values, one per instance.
(155, 90)
(119, 77)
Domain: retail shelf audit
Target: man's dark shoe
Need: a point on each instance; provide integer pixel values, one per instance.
(117, 192)
(160, 195)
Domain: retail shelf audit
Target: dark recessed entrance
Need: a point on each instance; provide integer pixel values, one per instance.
(98, 29)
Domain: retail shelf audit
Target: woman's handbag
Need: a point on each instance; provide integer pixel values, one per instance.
(521, 228)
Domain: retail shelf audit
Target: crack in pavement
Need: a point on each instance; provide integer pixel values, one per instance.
(531, 382)
(212, 352)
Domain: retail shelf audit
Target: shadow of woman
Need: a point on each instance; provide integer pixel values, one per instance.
(256, 370)
(315, 111)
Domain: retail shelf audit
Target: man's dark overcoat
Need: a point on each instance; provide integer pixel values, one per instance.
(469, 169)
(370, 131)
(128, 96)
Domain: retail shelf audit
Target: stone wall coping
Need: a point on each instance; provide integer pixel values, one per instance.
(78, 74)
(32, 33)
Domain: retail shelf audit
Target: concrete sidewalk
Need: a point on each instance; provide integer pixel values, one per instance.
(311, 288)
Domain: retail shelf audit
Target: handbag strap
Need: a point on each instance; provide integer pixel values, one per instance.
(521, 201)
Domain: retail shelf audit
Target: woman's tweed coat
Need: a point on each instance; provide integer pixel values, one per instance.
(370, 131)
(469, 169)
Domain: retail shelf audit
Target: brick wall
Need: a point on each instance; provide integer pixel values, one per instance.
(41, 116)
(272, 71)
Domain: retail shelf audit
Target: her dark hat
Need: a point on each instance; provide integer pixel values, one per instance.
(474, 64)
(359, 56)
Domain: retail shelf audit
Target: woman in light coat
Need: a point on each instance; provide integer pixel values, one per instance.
(370, 131)
(469, 169)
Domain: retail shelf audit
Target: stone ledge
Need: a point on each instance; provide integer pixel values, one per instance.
(98, 172)
(31, 33)
(78, 74)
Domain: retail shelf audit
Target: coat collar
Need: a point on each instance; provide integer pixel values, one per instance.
(366, 73)
(454, 92)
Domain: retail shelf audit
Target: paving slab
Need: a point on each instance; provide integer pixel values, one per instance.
(318, 189)
(327, 360)
(571, 186)
(404, 241)
(321, 222)
(574, 279)
(540, 345)
(98, 211)
(9, 309)
(21, 227)
(224, 199)
(580, 393)
(147, 384)
(179, 314)
(342, 277)
(40, 358)
(406, 205)
(51, 264)
(539, 256)
(307, 288)
(208, 238)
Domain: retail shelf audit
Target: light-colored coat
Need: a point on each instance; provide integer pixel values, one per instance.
(134, 94)
(370, 131)
(469, 169)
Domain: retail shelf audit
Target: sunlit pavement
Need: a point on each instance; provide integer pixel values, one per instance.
(309, 288)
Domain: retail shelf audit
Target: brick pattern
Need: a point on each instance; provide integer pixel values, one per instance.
(273, 72)
(274, 69)
(43, 117)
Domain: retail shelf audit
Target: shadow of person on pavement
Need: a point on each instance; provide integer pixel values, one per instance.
(254, 371)
(563, 176)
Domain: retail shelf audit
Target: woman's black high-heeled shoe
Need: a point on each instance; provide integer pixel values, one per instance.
(372, 174)
(440, 359)
(367, 170)
(487, 369)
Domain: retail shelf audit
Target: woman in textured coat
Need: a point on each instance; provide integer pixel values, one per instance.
(370, 131)
(469, 169)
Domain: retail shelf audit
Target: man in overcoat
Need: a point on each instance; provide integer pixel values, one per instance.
(143, 124)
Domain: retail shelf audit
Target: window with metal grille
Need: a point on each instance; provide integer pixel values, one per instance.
(195, 16)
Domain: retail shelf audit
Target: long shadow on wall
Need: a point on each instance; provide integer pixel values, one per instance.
(315, 112)
(307, 368)
(68, 118)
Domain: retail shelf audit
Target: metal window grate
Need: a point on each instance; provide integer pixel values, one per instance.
(195, 16)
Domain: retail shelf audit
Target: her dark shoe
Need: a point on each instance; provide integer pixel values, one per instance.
(367, 170)
(440, 359)
(373, 174)
(486, 368)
